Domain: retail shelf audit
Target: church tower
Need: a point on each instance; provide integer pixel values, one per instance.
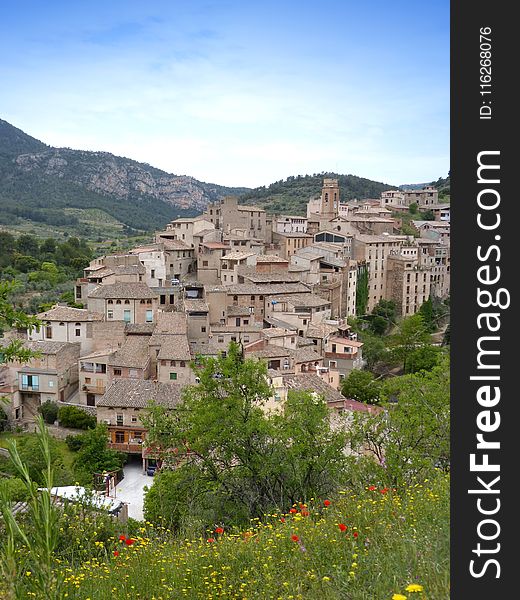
(330, 198)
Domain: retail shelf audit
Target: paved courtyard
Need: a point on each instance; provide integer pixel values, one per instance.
(131, 489)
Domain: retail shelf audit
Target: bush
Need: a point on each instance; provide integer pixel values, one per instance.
(3, 419)
(14, 489)
(74, 442)
(76, 418)
(49, 411)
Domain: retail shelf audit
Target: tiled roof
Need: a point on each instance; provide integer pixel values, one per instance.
(252, 328)
(312, 383)
(136, 393)
(48, 347)
(139, 328)
(173, 347)
(267, 289)
(237, 311)
(320, 330)
(196, 305)
(171, 322)
(271, 351)
(237, 255)
(277, 332)
(268, 258)
(133, 353)
(307, 300)
(66, 313)
(205, 349)
(306, 354)
(123, 290)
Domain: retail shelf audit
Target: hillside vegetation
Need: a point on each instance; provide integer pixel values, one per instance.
(292, 194)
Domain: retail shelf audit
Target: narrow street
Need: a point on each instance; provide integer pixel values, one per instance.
(131, 488)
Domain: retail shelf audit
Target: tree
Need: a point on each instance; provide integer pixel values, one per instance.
(76, 418)
(413, 208)
(411, 437)
(427, 313)
(361, 386)
(94, 456)
(27, 244)
(412, 334)
(12, 318)
(245, 459)
(49, 411)
(362, 291)
(3, 419)
(423, 359)
(383, 316)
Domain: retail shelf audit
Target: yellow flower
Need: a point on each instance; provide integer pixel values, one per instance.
(414, 587)
(398, 597)
(326, 578)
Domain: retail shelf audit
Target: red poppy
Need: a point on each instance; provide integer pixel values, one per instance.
(372, 488)
(292, 511)
(282, 520)
(129, 541)
(122, 538)
(384, 490)
(219, 530)
(211, 540)
(355, 534)
(295, 538)
(326, 503)
(116, 553)
(305, 513)
(342, 527)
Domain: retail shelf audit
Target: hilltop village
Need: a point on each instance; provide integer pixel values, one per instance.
(280, 286)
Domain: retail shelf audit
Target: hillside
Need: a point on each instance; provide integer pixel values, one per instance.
(292, 194)
(42, 187)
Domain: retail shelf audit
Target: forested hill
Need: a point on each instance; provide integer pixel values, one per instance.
(68, 188)
(292, 194)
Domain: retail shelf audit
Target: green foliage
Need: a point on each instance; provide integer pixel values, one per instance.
(49, 411)
(361, 386)
(413, 208)
(411, 335)
(74, 442)
(362, 291)
(423, 359)
(248, 460)
(14, 489)
(3, 418)
(10, 317)
(76, 418)
(292, 194)
(383, 316)
(94, 456)
(411, 438)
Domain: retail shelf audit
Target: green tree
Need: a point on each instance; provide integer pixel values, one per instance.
(413, 208)
(362, 291)
(3, 419)
(94, 456)
(361, 386)
(423, 359)
(27, 244)
(77, 418)
(412, 334)
(11, 318)
(410, 438)
(49, 411)
(383, 316)
(246, 459)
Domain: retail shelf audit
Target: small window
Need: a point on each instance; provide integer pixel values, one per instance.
(110, 314)
(127, 301)
(182, 363)
(203, 329)
(118, 301)
(149, 316)
(134, 419)
(173, 376)
(78, 332)
(63, 324)
(110, 302)
(117, 371)
(119, 420)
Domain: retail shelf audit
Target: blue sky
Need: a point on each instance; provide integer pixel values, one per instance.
(235, 92)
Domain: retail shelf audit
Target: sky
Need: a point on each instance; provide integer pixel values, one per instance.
(236, 92)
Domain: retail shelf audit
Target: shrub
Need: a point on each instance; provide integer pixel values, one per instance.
(74, 442)
(3, 419)
(76, 418)
(49, 411)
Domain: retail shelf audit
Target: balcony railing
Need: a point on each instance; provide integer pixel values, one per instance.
(122, 447)
(30, 388)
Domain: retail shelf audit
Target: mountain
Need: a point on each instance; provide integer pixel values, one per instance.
(292, 194)
(68, 188)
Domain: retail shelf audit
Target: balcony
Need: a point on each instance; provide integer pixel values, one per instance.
(30, 388)
(122, 447)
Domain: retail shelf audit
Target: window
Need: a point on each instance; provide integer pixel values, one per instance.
(133, 373)
(120, 436)
(63, 324)
(110, 314)
(48, 332)
(133, 418)
(204, 263)
(246, 321)
(119, 419)
(117, 371)
(118, 301)
(127, 301)
(153, 274)
(237, 321)
(91, 400)
(127, 316)
(173, 376)
(30, 382)
(203, 329)
(149, 316)
(88, 380)
(78, 332)
(220, 339)
(110, 302)
(51, 383)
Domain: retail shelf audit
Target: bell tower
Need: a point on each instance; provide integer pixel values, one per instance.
(330, 198)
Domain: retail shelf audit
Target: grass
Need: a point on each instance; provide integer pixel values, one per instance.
(369, 545)
(61, 447)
